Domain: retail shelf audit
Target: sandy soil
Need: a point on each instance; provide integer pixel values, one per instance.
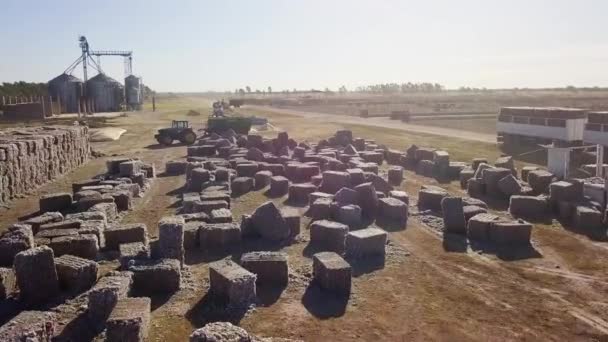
(432, 287)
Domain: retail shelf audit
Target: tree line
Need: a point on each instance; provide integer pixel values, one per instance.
(25, 89)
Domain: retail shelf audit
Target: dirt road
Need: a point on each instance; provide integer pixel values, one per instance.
(383, 122)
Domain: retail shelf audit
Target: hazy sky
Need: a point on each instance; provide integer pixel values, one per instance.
(199, 45)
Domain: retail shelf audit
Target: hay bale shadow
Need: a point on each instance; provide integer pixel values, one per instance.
(323, 304)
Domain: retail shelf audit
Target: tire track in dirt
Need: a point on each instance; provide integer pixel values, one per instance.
(507, 275)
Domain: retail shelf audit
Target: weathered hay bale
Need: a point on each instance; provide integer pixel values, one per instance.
(30, 157)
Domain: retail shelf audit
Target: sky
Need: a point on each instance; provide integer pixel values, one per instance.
(200, 45)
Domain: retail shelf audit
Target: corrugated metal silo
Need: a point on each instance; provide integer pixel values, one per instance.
(106, 92)
(68, 90)
(133, 91)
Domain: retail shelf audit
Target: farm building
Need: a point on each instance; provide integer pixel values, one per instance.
(561, 126)
(596, 129)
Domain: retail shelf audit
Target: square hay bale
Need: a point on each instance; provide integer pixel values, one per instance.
(77, 186)
(299, 193)
(198, 177)
(380, 184)
(270, 267)
(222, 175)
(200, 206)
(525, 171)
(51, 233)
(247, 170)
(565, 191)
(476, 187)
(232, 283)
(366, 242)
(125, 233)
(108, 208)
(279, 185)
(30, 326)
(129, 168)
(219, 237)
(221, 215)
(534, 207)
(332, 273)
(175, 167)
(8, 282)
(292, 219)
(334, 181)
(215, 195)
(392, 209)
(356, 176)
(509, 185)
(425, 168)
(491, 177)
(367, 199)
(304, 172)
(478, 227)
(87, 216)
(171, 238)
(90, 201)
(17, 238)
(316, 195)
(76, 274)
(156, 276)
(242, 185)
(472, 210)
(269, 223)
(67, 224)
(400, 195)
(94, 228)
(123, 199)
(395, 175)
(48, 217)
(328, 235)
(453, 215)
(588, 219)
(85, 245)
(129, 320)
(511, 233)
(106, 293)
(55, 202)
(320, 209)
(191, 234)
(36, 275)
(464, 177)
(346, 196)
(430, 198)
(262, 179)
(132, 251)
(350, 214)
(540, 180)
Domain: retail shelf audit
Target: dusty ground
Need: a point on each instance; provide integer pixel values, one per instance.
(431, 287)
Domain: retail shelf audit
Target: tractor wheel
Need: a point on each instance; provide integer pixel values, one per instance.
(164, 140)
(188, 138)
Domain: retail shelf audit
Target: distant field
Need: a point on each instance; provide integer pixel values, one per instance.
(485, 125)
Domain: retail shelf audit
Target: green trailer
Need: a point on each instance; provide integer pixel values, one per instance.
(240, 125)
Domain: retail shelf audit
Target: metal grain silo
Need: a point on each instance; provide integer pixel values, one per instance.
(133, 92)
(106, 92)
(68, 90)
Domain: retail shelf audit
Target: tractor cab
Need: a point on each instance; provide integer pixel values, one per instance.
(177, 124)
